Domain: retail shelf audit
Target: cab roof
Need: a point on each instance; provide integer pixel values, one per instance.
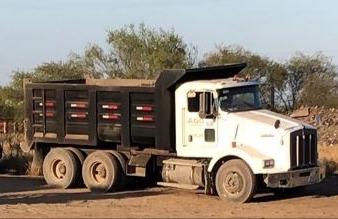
(219, 83)
(173, 78)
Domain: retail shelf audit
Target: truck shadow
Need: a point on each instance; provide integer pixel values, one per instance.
(82, 197)
(327, 188)
(13, 183)
(33, 190)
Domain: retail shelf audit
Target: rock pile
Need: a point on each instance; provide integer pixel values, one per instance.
(325, 119)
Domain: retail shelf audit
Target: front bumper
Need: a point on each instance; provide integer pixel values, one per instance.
(295, 178)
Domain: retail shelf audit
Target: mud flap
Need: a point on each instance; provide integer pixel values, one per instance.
(137, 165)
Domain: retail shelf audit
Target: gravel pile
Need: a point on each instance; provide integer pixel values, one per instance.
(325, 119)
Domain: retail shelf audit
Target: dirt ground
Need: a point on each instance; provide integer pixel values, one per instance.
(22, 196)
(329, 153)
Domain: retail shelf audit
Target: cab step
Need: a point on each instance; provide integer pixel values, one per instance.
(178, 185)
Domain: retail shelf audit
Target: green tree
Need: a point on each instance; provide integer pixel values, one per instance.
(11, 97)
(133, 52)
(97, 62)
(11, 103)
(270, 73)
(138, 52)
(312, 80)
(70, 69)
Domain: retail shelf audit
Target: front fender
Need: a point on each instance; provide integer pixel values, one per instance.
(254, 160)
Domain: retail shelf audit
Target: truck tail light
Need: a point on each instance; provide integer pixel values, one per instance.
(110, 106)
(145, 118)
(145, 108)
(110, 116)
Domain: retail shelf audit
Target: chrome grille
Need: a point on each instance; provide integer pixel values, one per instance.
(303, 148)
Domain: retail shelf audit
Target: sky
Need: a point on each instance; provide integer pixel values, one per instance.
(37, 31)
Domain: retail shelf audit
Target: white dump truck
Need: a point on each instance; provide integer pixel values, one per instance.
(191, 128)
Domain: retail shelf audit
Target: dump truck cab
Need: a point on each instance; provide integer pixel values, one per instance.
(223, 119)
(204, 107)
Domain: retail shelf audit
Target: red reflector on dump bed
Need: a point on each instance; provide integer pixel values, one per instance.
(144, 108)
(48, 104)
(79, 105)
(110, 106)
(110, 116)
(78, 115)
(49, 114)
(145, 118)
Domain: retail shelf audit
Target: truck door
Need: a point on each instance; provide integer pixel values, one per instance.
(200, 131)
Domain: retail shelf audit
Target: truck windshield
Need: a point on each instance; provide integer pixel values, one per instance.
(239, 98)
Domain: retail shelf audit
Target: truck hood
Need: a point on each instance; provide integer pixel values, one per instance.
(269, 118)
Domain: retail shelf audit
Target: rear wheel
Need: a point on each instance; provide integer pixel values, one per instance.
(80, 156)
(235, 181)
(101, 172)
(61, 168)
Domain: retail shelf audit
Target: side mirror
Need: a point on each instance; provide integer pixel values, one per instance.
(207, 108)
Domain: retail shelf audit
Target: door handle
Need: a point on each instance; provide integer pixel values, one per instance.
(190, 138)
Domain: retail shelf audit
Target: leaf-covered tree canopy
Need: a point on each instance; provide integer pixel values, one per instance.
(142, 52)
(132, 52)
(138, 52)
(312, 80)
(302, 80)
(270, 73)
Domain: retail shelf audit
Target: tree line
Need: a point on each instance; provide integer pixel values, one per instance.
(142, 52)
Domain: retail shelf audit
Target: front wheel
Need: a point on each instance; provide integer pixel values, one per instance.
(235, 181)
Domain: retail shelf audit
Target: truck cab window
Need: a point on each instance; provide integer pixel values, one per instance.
(208, 102)
(197, 104)
(193, 101)
(240, 99)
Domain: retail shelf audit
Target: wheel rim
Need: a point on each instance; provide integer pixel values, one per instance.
(233, 183)
(59, 169)
(98, 172)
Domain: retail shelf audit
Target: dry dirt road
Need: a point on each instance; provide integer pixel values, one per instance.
(22, 196)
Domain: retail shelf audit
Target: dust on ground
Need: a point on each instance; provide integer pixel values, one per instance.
(23, 196)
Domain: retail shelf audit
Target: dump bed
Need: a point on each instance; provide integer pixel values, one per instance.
(91, 113)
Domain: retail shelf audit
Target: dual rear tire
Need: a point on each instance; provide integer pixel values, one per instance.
(61, 168)
(102, 173)
(67, 167)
